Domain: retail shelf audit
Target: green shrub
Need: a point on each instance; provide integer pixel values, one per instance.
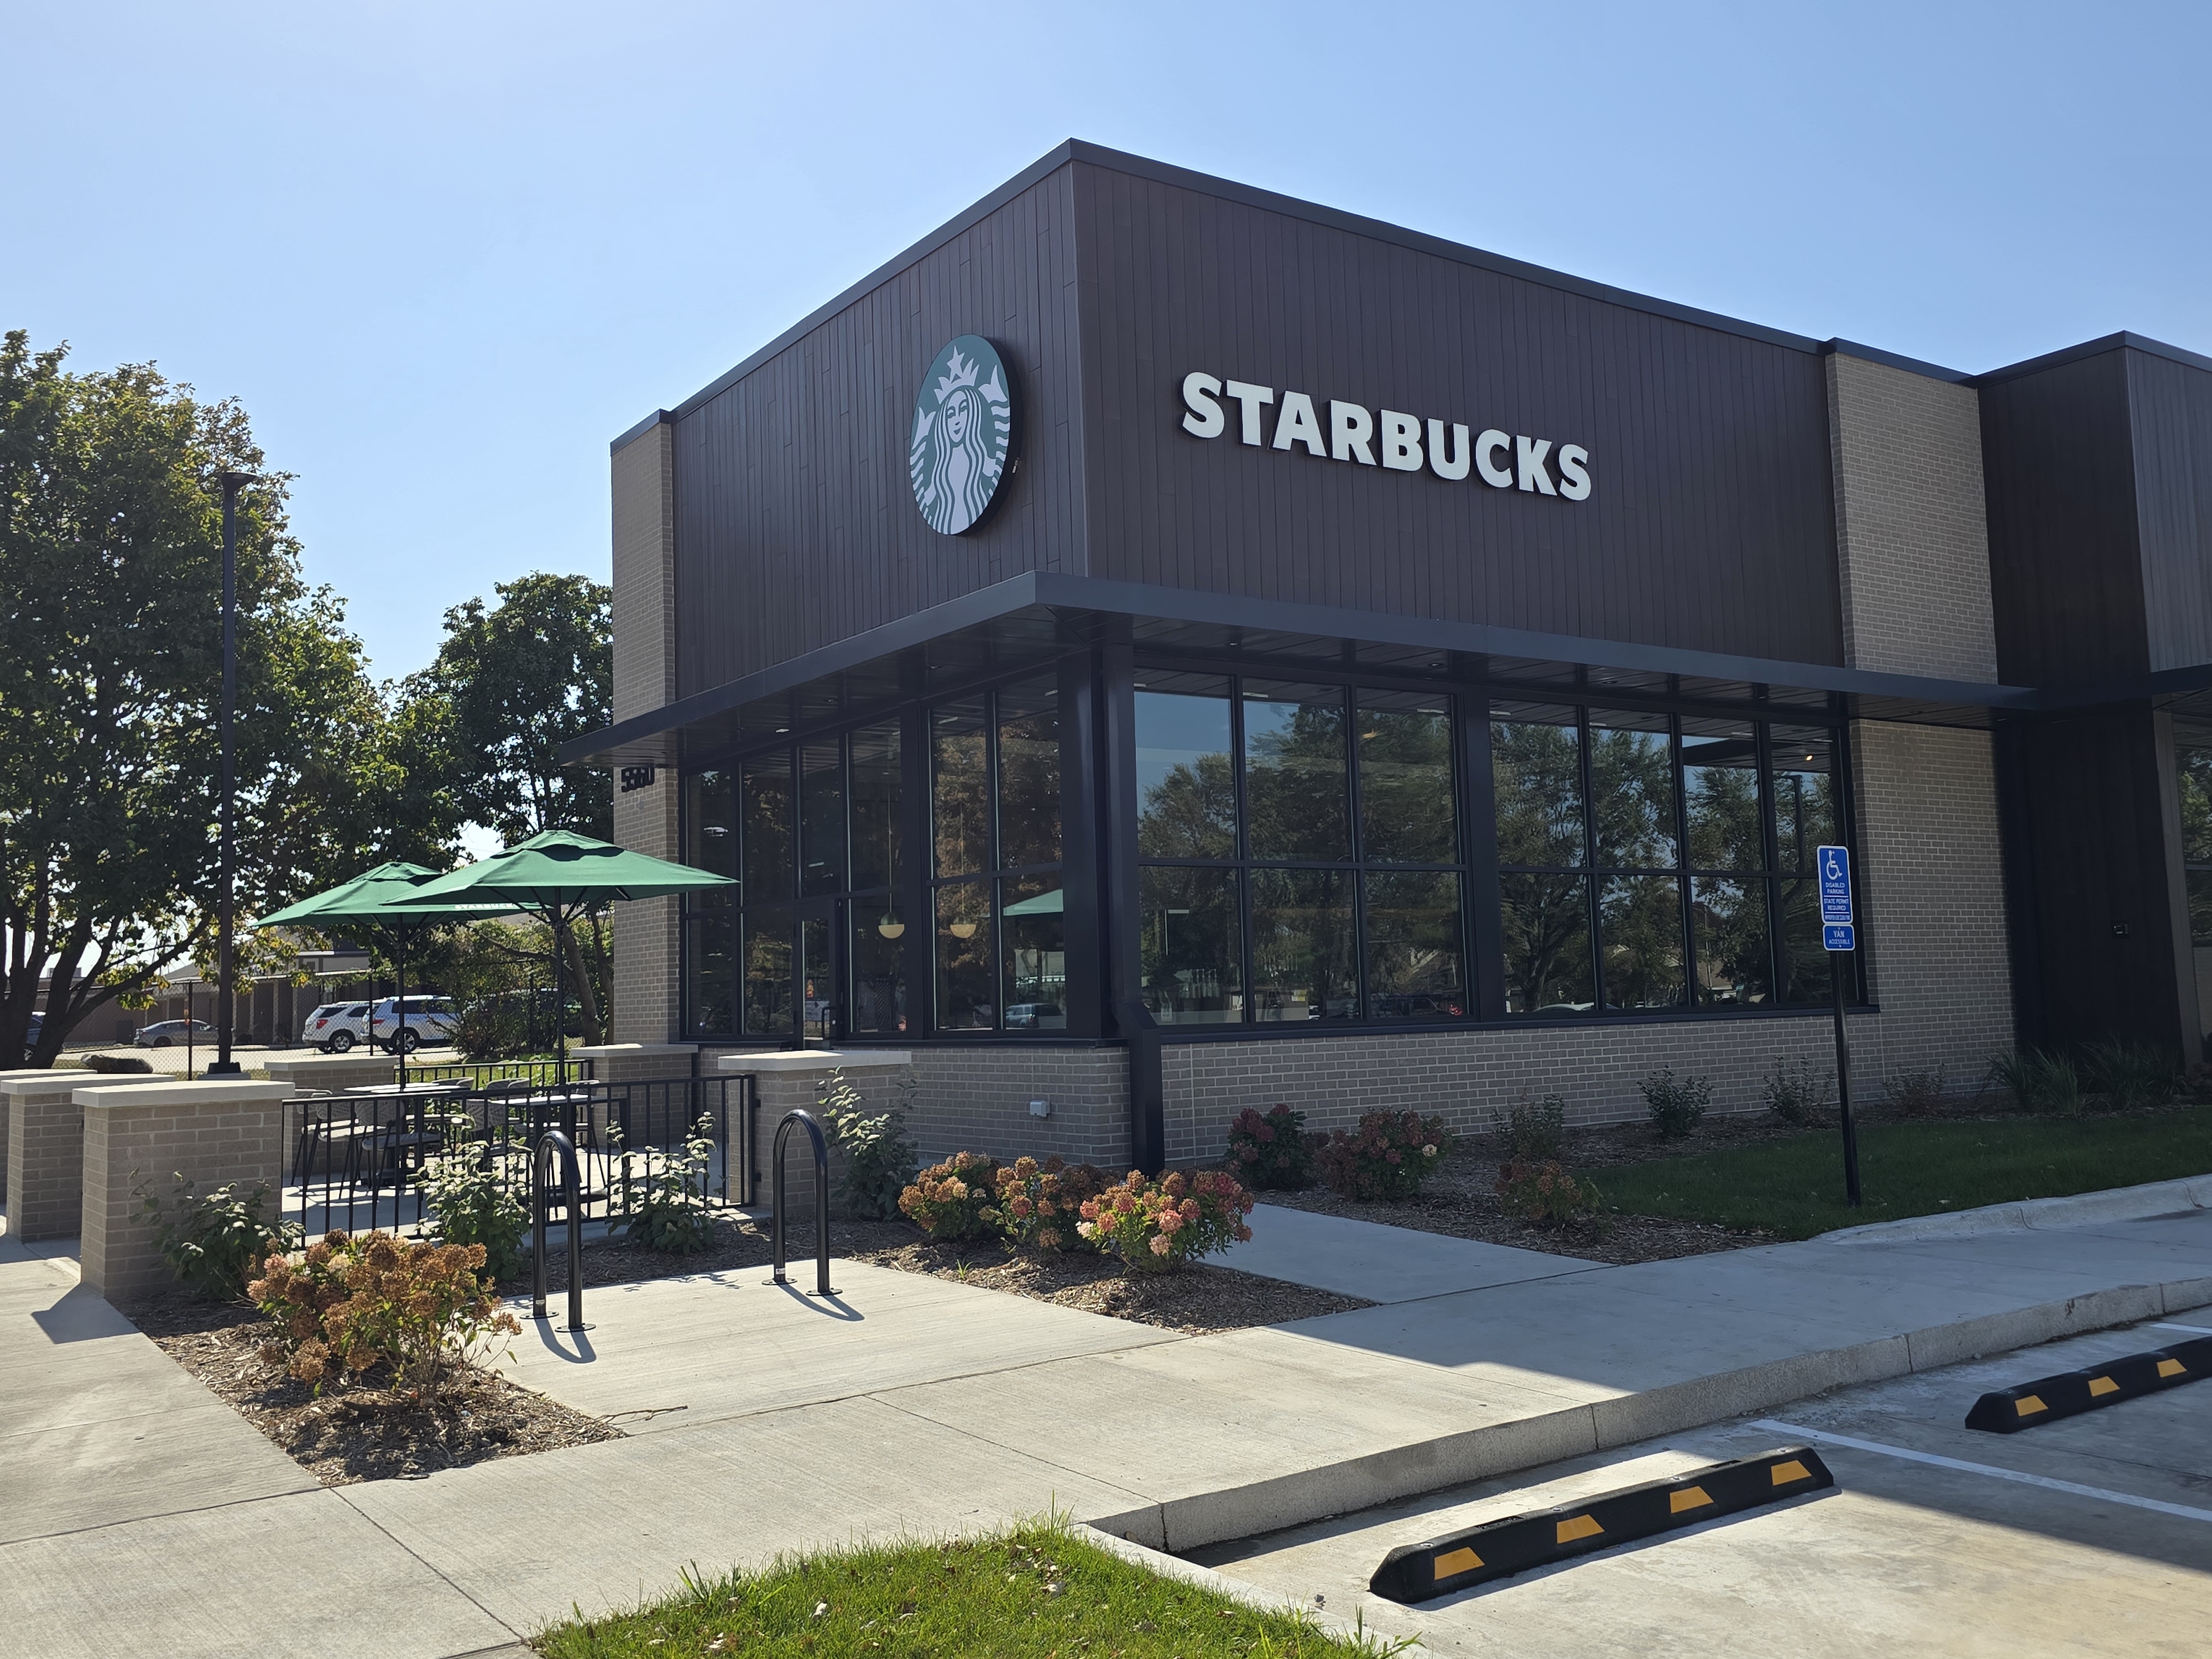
(2131, 1075)
(1793, 1093)
(214, 1244)
(1676, 1106)
(1039, 1206)
(879, 1160)
(490, 1028)
(1155, 1226)
(474, 1189)
(1542, 1192)
(1916, 1093)
(1537, 1130)
(357, 1302)
(954, 1199)
(1271, 1152)
(671, 1211)
(2040, 1080)
(1386, 1158)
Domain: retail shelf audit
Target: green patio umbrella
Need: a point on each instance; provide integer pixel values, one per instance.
(369, 901)
(555, 876)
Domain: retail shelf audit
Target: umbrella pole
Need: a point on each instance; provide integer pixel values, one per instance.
(560, 1008)
(399, 1009)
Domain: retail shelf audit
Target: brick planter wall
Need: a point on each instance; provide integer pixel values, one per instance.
(45, 1148)
(210, 1132)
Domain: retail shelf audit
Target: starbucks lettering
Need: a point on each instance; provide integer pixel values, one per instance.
(1394, 442)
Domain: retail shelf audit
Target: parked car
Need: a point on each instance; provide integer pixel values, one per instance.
(1032, 1016)
(429, 1020)
(336, 1026)
(31, 1036)
(173, 1034)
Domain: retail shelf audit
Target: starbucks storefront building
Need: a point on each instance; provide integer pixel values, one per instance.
(1157, 647)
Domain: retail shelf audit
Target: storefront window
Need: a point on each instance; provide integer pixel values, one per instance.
(1001, 945)
(764, 799)
(768, 958)
(1305, 965)
(1029, 774)
(822, 818)
(1296, 771)
(1407, 813)
(1416, 969)
(1186, 777)
(1535, 757)
(960, 786)
(1333, 781)
(1190, 945)
(1682, 909)
(710, 840)
(1729, 929)
(1545, 922)
(1035, 935)
(967, 998)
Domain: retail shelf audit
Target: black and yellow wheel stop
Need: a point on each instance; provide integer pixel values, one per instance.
(2069, 1394)
(1498, 1549)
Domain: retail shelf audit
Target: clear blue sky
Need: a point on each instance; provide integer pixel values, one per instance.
(445, 252)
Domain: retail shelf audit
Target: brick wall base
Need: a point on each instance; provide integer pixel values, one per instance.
(211, 1133)
(45, 1132)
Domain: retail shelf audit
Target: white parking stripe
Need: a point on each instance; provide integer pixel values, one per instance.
(2201, 1330)
(1824, 1438)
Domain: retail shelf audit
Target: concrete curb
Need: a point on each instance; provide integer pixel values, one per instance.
(1424, 1466)
(1236, 1590)
(2079, 1209)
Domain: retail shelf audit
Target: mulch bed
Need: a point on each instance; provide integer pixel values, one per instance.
(1199, 1300)
(357, 1429)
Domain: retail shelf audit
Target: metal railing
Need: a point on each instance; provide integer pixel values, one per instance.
(358, 1161)
(800, 1118)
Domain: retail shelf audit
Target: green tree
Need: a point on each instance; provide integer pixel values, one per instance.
(512, 683)
(111, 643)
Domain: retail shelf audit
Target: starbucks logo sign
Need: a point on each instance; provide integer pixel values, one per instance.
(963, 432)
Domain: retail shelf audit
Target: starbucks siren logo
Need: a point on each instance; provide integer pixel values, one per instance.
(963, 429)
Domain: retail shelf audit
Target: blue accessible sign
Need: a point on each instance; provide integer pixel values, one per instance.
(1834, 865)
(1840, 936)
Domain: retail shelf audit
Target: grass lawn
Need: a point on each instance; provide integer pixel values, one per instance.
(1037, 1590)
(1794, 1188)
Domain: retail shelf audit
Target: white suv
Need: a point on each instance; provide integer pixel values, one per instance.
(336, 1026)
(430, 1019)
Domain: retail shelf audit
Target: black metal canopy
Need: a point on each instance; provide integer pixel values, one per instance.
(1034, 618)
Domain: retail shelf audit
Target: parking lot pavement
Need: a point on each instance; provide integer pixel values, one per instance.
(2090, 1535)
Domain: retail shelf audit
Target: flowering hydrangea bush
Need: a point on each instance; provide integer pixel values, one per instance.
(1387, 1157)
(355, 1303)
(1155, 1226)
(1040, 1206)
(954, 1199)
(1271, 1152)
(1542, 1192)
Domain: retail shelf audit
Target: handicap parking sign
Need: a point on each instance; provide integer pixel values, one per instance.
(1840, 936)
(1834, 866)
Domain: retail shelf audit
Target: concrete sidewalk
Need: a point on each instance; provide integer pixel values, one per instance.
(762, 1420)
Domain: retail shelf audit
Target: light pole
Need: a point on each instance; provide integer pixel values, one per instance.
(225, 979)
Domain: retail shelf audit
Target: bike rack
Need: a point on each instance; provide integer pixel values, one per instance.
(805, 1120)
(572, 1190)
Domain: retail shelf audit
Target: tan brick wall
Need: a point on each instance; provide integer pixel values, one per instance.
(210, 1131)
(647, 997)
(44, 1133)
(1934, 900)
(977, 1099)
(1912, 534)
(1470, 1078)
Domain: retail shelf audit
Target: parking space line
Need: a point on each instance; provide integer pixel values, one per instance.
(1824, 1438)
(2200, 1330)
